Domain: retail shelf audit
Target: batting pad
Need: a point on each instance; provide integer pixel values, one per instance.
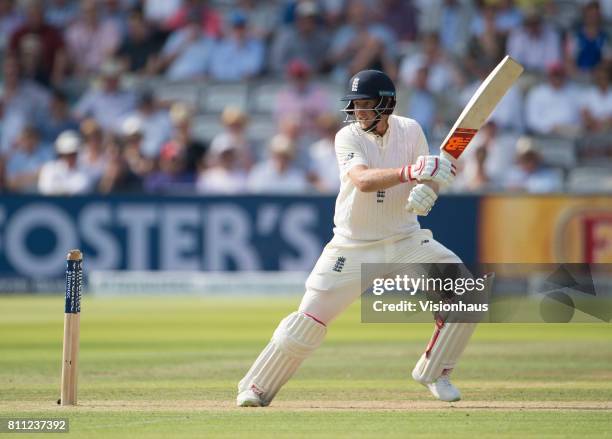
(444, 349)
(296, 337)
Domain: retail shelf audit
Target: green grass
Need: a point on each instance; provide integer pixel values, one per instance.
(160, 367)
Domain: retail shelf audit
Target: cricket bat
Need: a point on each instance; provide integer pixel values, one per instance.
(480, 107)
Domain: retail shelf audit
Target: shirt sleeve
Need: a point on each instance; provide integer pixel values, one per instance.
(348, 151)
(421, 147)
(533, 114)
(46, 179)
(84, 106)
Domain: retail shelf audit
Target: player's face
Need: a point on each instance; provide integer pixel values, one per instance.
(363, 111)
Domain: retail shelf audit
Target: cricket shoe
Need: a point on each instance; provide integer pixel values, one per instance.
(442, 388)
(248, 398)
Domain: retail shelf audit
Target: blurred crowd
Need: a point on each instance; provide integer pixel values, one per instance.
(81, 112)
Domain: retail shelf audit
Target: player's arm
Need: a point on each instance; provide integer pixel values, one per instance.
(435, 169)
(354, 164)
(372, 180)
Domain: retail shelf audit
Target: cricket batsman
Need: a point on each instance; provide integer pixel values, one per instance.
(384, 162)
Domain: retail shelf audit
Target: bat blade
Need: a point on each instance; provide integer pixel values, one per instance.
(480, 106)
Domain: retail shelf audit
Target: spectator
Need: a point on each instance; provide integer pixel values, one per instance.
(64, 176)
(508, 16)
(154, 124)
(487, 47)
(453, 24)
(235, 123)
(193, 150)
(118, 176)
(24, 163)
(332, 12)
(401, 17)
(605, 6)
(61, 13)
(208, 19)
(509, 112)
(187, 52)
(535, 44)
(239, 55)
(422, 104)
(530, 174)
(505, 15)
(91, 39)
(474, 176)
(597, 103)
(117, 12)
(362, 44)
(226, 176)
(3, 185)
(551, 107)
(10, 21)
(323, 162)
(93, 159)
(137, 164)
(290, 127)
(38, 47)
(278, 175)
(306, 40)
(487, 169)
(158, 12)
(173, 175)
(57, 120)
(442, 74)
(139, 49)
(301, 98)
(109, 104)
(262, 16)
(588, 46)
(287, 12)
(22, 100)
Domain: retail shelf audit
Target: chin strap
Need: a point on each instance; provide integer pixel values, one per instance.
(372, 125)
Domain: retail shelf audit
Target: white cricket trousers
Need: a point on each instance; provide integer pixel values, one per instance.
(335, 281)
(333, 285)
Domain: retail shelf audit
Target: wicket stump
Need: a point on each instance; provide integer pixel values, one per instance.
(74, 286)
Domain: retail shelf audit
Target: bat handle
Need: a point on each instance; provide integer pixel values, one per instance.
(448, 156)
(432, 185)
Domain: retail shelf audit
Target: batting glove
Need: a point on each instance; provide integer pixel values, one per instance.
(432, 168)
(421, 200)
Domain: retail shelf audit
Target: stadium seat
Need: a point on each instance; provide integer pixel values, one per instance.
(261, 129)
(205, 127)
(556, 151)
(566, 13)
(334, 93)
(588, 179)
(594, 149)
(177, 92)
(263, 97)
(215, 97)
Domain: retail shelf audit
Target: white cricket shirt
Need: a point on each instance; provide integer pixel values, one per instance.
(372, 216)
